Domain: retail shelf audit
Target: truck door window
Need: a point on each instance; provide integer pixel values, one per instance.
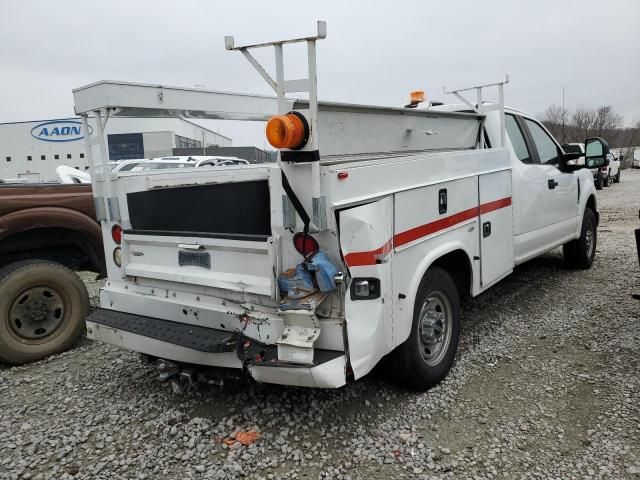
(546, 147)
(517, 139)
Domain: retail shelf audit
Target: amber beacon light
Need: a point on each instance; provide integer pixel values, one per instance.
(415, 98)
(288, 131)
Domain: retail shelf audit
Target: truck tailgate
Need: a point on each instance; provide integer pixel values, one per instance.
(239, 265)
(210, 227)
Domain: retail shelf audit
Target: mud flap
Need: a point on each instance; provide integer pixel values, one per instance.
(366, 239)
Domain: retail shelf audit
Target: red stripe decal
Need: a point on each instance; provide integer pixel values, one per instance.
(359, 259)
(495, 205)
(433, 227)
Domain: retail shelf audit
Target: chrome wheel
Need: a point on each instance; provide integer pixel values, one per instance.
(435, 328)
(35, 314)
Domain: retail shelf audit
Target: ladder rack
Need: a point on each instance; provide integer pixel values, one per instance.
(345, 129)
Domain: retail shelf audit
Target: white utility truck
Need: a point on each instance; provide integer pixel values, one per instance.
(356, 246)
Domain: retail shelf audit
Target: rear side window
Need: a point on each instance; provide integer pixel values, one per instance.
(128, 167)
(546, 147)
(517, 139)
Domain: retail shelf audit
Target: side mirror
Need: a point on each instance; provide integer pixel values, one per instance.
(596, 150)
(570, 156)
(621, 158)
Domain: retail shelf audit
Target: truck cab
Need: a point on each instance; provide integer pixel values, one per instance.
(549, 198)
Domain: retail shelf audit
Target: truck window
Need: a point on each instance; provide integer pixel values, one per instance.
(517, 139)
(128, 167)
(546, 147)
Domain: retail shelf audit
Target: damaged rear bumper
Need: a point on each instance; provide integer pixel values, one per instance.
(200, 345)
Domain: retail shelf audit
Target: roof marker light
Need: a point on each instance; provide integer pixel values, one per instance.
(416, 97)
(288, 131)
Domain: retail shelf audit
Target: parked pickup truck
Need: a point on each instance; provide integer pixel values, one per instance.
(46, 231)
(356, 248)
(615, 166)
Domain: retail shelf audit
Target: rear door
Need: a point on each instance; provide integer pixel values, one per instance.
(366, 240)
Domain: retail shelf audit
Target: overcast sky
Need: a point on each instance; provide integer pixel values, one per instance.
(375, 51)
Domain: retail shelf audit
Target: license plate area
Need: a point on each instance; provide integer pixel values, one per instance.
(194, 259)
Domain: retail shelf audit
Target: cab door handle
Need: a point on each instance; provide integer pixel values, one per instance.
(552, 184)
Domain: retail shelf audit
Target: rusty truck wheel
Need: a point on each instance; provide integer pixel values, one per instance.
(42, 310)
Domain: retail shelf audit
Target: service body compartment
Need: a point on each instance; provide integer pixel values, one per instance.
(496, 226)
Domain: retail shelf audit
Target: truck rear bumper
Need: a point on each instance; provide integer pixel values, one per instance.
(199, 345)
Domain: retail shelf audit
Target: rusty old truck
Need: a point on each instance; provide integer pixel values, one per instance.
(46, 232)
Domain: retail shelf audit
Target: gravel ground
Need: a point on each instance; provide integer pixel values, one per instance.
(546, 385)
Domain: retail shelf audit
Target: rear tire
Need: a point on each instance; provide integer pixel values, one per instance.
(579, 253)
(599, 182)
(617, 177)
(426, 357)
(43, 306)
(607, 181)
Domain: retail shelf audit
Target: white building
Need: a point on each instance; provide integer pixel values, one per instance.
(34, 149)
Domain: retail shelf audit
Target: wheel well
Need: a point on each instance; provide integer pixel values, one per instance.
(457, 265)
(591, 203)
(67, 247)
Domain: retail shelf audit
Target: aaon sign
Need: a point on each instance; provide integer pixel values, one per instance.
(59, 131)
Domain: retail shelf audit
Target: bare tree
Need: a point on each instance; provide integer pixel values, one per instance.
(555, 118)
(606, 121)
(583, 120)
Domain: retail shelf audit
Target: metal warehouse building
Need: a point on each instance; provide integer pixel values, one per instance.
(33, 150)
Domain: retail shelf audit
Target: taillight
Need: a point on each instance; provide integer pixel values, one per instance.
(288, 131)
(116, 234)
(305, 244)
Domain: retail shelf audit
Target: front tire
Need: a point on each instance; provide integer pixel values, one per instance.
(43, 306)
(426, 357)
(607, 181)
(579, 253)
(617, 178)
